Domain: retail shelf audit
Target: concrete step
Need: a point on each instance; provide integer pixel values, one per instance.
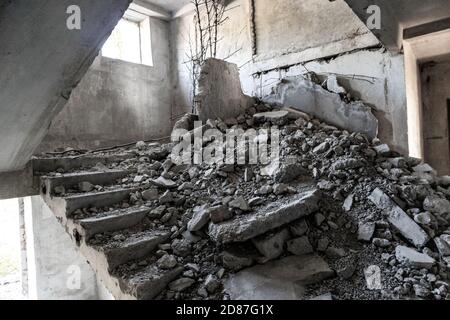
(111, 221)
(66, 206)
(148, 283)
(71, 180)
(67, 164)
(136, 246)
(272, 216)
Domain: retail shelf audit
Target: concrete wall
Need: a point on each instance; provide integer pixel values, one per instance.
(55, 267)
(294, 37)
(435, 94)
(41, 61)
(117, 101)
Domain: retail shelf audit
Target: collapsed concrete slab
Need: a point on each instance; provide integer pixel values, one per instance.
(304, 95)
(278, 280)
(274, 215)
(220, 93)
(399, 219)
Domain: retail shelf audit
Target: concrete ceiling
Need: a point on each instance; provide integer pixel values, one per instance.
(399, 15)
(169, 5)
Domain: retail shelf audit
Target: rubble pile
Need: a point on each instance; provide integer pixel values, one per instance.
(336, 195)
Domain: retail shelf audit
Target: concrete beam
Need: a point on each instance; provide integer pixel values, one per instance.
(42, 61)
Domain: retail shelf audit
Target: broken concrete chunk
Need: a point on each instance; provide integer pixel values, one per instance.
(289, 171)
(366, 231)
(382, 150)
(239, 203)
(274, 215)
(199, 219)
(235, 260)
(412, 258)
(220, 214)
(283, 279)
(300, 228)
(276, 117)
(164, 183)
(86, 186)
(437, 205)
(443, 244)
(167, 262)
(300, 246)
(399, 219)
(272, 246)
(348, 203)
(181, 284)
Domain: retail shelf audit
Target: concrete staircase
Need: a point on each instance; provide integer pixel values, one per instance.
(89, 216)
(125, 240)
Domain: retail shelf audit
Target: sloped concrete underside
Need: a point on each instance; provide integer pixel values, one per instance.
(42, 61)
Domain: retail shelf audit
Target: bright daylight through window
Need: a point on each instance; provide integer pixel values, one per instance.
(130, 41)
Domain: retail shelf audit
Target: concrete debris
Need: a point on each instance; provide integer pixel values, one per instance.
(327, 190)
(272, 246)
(412, 258)
(333, 85)
(283, 279)
(399, 219)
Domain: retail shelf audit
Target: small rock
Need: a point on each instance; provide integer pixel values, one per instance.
(236, 261)
(240, 203)
(366, 231)
(299, 228)
(212, 283)
(181, 284)
(381, 243)
(412, 258)
(348, 203)
(141, 145)
(335, 253)
(167, 262)
(443, 244)
(220, 214)
(199, 219)
(300, 246)
(271, 246)
(181, 247)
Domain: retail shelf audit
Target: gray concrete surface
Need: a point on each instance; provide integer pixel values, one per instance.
(41, 62)
(59, 271)
(118, 102)
(220, 94)
(302, 94)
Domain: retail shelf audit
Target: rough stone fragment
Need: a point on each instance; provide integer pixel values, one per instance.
(167, 262)
(288, 171)
(283, 279)
(220, 214)
(271, 246)
(443, 244)
(270, 217)
(322, 148)
(275, 117)
(366, 231)
(300, 228)
(437, 205)
(236, 260)
(300, 246)
(240, 203)
(382, 150)
(412, 258)
(85, 186)
(333, 85)
(164, 183)
(399, 219)
(348, 203)
(181, 284)
(212, 283)
(199, 219)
